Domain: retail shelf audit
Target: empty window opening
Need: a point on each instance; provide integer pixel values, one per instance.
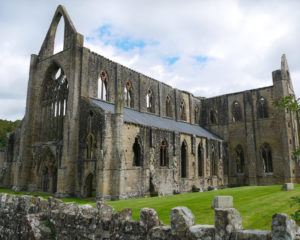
(164, 153)
(236, 112)
(266, 155)
(149, 101)
(65, 107)
(102, 86)
(168, 107)
(128, 95)
(183, 159)
(89, 186)
(214, 163)
(59, 108)
(240, 161)
(262, 108)
(59, 36)
(137, 153)
(200, 160)
(55, 109)
(182, 111)
(53, 103)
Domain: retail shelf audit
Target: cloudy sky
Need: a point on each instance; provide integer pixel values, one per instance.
(205, 47)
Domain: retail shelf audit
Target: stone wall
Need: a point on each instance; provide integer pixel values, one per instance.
(27, 217)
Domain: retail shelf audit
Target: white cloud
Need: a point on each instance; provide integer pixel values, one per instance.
(243, 41)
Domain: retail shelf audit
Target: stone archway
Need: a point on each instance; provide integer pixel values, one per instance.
(48, 172)
(89, 186)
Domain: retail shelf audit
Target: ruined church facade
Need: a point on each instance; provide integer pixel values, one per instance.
(95, 127)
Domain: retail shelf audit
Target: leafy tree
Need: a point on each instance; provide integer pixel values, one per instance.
(5, 128)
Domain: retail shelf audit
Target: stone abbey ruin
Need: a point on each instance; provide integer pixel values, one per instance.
(93, 126)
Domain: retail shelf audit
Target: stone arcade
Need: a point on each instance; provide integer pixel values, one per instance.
(93, 126)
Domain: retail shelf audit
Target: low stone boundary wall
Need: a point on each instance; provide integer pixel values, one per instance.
(27, 217)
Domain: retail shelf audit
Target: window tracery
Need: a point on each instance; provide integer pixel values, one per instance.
(54, 99)
(182, 111)
(262, 108)
(149, 101)
(236, 112)
(164, 153)
(102, 86)
(128, 95)
(266, 155)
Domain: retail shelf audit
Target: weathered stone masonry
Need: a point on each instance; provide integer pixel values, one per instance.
(27, 217)
(95, 127)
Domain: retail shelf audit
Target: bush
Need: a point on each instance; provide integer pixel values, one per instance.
(296, 215)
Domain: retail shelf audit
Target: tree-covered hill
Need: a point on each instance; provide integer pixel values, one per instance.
(6, 127)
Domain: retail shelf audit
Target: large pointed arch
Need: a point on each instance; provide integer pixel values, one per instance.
(53, 102)
(47, 48)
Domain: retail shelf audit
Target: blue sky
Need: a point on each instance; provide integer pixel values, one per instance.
(205, 47)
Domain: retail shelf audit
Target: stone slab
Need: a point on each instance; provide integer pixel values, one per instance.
(222, 202)
(288, 187)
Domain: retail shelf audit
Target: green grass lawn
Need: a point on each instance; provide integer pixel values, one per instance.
(256, 204)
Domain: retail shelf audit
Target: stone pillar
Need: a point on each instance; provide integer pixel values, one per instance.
(118, 162)
(27, 130)
(227, 218)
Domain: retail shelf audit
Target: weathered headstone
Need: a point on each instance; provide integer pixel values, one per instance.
(222, 202)
(288, 187)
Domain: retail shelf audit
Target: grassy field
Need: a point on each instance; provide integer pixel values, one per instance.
(256, 204)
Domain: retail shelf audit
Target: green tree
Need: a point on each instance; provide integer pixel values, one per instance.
(5, 128)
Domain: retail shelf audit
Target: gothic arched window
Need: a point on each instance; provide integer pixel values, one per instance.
(266, 155)
(149, 101)
(262, 108)
(164, 153)
(182, 111)
(184, 159)
(214, 163)
(236, 112)
(168, 107)
(213, 116)
(102, 86)
(200, 160)
(137, 153)
(240, 161)
(54, 99)
(128, 95)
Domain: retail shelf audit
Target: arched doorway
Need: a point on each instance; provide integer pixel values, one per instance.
(89, 186)
(200, 160)
(183, 159)
(48, 172)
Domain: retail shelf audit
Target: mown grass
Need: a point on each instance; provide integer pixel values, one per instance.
(256, 204)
